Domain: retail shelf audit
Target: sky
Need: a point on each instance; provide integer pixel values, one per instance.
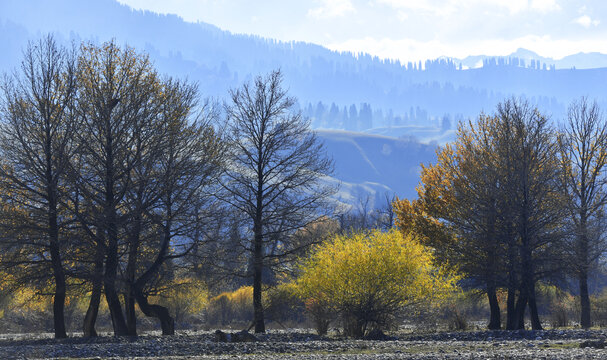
(409, 29)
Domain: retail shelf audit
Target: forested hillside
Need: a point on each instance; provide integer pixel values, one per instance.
(219, 60)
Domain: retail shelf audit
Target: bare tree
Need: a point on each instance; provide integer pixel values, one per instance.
(37, 140)
(583, 152)
(118, 93)
(529, 172)
(174, 193)
(274, 174)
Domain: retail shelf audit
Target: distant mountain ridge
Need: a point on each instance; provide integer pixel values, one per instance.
(396, 113)
(219, 60)
(580, 60)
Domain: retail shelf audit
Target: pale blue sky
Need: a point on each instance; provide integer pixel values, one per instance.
(409, 29)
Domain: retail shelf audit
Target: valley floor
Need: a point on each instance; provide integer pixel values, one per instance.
(294, 344)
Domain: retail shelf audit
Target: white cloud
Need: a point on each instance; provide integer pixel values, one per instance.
(449, 7)
(331, 9)
(444, 8)
(586, 21)
(402, 15)
(545, 5)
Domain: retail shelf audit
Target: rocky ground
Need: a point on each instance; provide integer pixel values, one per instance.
(298, 344)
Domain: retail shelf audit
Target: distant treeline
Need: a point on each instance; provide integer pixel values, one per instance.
(364, 117)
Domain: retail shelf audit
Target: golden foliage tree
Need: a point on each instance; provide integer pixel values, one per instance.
(457, 209)
(491, 204)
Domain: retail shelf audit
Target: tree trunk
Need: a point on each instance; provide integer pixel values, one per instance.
(91, 313)
(131, 268)
(109, 284)
(521, 306)
(111, 262)
(535, 318)
(495, 321)
(511, 319)
(113, 303)
(131, 317)
(257, 284)
(160, 312)
(55, 252)
(531, 301)
(584, 300)
(60, 290)
(59, 305)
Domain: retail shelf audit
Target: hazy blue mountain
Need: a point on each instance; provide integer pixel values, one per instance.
(219, 60)
(388, 99)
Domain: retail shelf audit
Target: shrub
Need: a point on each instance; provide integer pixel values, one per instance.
(371, 277)
(282, 304)
(557, 303)
(185, 298)
(219, 311)
(322, 314)
(464, 309)
(229, 307)
(598, 305)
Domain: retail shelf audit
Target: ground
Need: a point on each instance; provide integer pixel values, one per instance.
(300, 344)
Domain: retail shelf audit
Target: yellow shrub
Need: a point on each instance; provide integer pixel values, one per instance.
(185, 297)
(242, 303)
(228, 307)
(368, 278)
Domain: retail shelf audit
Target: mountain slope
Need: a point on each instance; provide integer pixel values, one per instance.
(376, 165)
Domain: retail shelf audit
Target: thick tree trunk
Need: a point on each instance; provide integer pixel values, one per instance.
(131, 268)
(535, 318)
(160, 312)
(511, 318)
(131, 317)
(59, 305)
(584, 300)
(111, 261)
(60, 289)
(55, 252)
(109, 283)
(495, 320)
(91, 313)
(257, 285)
(528, 286)
(113, 303)
(521, 306)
